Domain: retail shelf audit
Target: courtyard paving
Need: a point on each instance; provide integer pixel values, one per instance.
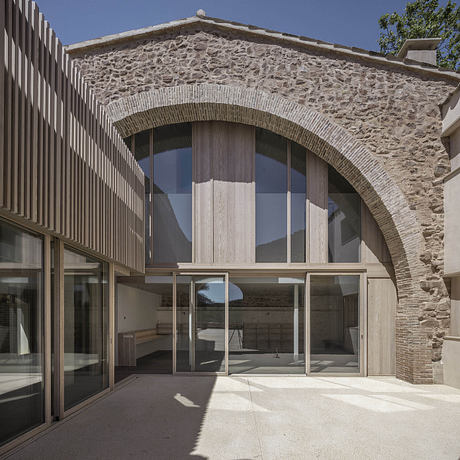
(175, 417)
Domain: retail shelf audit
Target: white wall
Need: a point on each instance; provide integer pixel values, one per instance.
(136, 308)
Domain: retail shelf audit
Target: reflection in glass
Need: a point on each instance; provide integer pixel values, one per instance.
(334, 324)
(271, 197)
(142, 155)
(200, 320)
(344, 224)
(21, 332)
(144, 322)
(183, 325)
(85, 327)
(172, 194)
(266, 331)
(298, 202)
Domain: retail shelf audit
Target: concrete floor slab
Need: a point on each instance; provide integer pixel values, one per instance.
(245, 417)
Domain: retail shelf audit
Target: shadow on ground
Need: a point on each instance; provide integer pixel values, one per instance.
(161, 420)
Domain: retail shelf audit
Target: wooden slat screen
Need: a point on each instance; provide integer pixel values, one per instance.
(63, 165)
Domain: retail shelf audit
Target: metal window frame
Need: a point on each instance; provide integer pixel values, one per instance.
(362, 324)
(46, 313)
(59, 344)
(225, 275)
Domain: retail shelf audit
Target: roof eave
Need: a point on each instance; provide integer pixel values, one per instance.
(108, 40)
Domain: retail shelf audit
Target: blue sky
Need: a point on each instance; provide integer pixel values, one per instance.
(348, 22)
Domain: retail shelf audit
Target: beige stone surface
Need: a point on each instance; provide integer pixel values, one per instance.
(166, 417)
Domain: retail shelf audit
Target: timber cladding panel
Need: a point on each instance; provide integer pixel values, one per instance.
(64, 167)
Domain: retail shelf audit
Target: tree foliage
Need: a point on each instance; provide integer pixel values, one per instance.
(424, 19)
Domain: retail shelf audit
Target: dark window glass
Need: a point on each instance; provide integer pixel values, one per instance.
(298, 202)
(271, 197)
(142, 155)
(127, 141)
(344, 220)
(334, 324)
(85, 327)
(172, 194)
(21, 332)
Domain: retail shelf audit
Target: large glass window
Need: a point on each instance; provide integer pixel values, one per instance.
(334, 323)
(142, 155)
(21, 332)
(298, 202)
(344, 220)
(172, 194)
(271, 197)
(85, 327)
(266, 330)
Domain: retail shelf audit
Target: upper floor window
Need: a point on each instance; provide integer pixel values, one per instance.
(280, 199)
(165, 155)
(298, 195)
(172, 194)
(344, 220)
(271, 195)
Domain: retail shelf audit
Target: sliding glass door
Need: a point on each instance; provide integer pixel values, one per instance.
(200, 323)
(266, 331)
(85, 327)
(22, 386)
(269, 324)
(336, 325)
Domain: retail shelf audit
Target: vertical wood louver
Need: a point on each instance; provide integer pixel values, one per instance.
(63, 165)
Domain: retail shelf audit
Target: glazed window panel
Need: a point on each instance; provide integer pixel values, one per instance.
(271, 197)
(344, 220)
(142, 155)
(85, 327)
(21, 332)
(266, 325)
(334, 324)
(298, 202)
(172, 194)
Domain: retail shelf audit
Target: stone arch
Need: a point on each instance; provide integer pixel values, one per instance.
(336, 146)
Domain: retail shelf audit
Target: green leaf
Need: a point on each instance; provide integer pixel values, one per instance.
(424, 19)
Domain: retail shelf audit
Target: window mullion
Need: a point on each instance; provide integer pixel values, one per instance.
(288, 203)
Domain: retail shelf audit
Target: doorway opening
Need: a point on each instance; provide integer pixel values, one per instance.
(144, 326)
(266, 331)
(201, 319)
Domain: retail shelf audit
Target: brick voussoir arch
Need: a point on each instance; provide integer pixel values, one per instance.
(330, 142)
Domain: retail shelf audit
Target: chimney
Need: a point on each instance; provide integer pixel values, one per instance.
(420, 49)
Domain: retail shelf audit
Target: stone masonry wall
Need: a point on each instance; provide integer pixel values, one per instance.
(392, 111)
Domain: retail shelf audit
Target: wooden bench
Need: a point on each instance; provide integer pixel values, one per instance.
(127, 342)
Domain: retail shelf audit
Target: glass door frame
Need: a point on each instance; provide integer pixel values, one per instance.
(282, 273)
(362, 323)
(225, 275)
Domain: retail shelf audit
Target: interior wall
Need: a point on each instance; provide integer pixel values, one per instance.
(136, 310)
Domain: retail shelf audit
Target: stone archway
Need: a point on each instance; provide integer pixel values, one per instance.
(337, 147)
